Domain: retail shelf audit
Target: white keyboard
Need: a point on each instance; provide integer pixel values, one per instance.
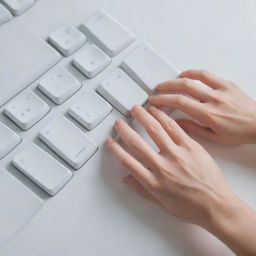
(91, 49)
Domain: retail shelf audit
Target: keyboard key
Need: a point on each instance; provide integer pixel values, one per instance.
(43, 169)
(59, 85)
(111, 36)
(121, 91)
(26, 110)
(90, 110)
(9, 140)
(17, 7)
(148, 68)
(68, 141)
(20, 68)
(91, 61)
(4, 15)
(18, 205)
(67, 39)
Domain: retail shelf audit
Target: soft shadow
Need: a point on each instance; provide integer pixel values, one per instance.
(186, 239)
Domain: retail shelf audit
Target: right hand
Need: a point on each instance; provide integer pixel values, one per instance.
(226, 114)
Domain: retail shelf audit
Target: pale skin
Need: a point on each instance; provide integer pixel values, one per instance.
(183, 178)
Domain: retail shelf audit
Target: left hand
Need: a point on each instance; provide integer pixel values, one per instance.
(182, 177)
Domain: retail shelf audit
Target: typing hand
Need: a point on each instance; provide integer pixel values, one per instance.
(184, 179)
(226, 114)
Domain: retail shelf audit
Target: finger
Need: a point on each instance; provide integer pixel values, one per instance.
(153, 128)
(185, 85)
(134, 141)
(205, 77)
(197, 130)
(135, 167)
(181, 102)
(170, 126)
(131, 181)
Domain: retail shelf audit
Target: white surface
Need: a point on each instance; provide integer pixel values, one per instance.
(9, 140)
(148, 68)
(26, 110)
(121, 91)
(91, 60)
(4, 14)
(96, 214)
(59, 85)
(20, 207)
(90, 110)
(110, 35)
(67, 39)
(17, 7)
(43, 169)
(68, 141)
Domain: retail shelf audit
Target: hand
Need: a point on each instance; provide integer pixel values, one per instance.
(183, 179)
(226, 114)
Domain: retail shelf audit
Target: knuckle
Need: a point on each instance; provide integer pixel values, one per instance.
(124, 160)
(179, 100)
(133, 143)
(156, 187)
(153, 128)
(204, 73)
(187, 83)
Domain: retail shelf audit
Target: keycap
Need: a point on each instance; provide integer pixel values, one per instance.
(91, 61)
(67, 39)
(8, 140)
(90, 109)
(26, 110)
(148, 68)
(18, 205)
(110, 35)
(20, 68)
(43, 169)
(121, 91)
(59, 85)
(68, 141)
(4, 14)
(17, 7)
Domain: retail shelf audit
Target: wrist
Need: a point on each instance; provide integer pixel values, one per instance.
(234, 223)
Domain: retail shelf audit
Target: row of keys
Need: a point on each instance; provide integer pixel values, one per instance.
(13, 7)
(66, 140)
(118, 89)
(108, 33)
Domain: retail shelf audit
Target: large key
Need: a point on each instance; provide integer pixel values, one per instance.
(148, 68)
(110, 35)
(68, 141)
(43, 169)
(121, 91)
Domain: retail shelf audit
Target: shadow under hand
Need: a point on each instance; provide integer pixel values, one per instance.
(176, 236)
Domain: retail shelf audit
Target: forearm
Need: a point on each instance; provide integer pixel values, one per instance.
(235, 225)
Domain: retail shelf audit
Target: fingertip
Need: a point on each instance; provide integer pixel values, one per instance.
(118, 123)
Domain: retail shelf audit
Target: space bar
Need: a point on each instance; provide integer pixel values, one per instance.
(21, 64)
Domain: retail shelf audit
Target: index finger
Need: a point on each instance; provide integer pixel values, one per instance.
(205, 77)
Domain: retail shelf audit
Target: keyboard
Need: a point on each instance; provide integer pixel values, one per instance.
(42, 84)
